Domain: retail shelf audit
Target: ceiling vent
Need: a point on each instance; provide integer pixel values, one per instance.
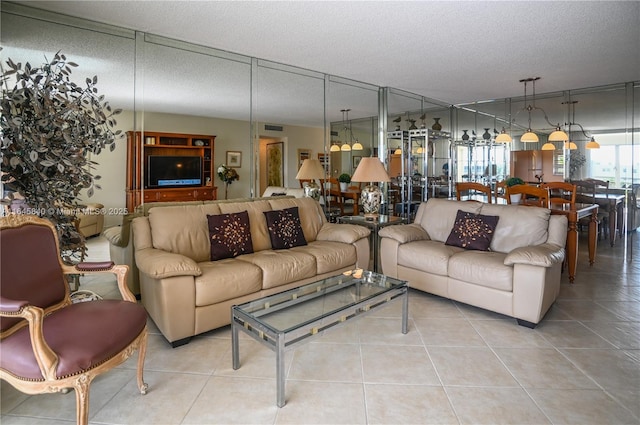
(273, 127)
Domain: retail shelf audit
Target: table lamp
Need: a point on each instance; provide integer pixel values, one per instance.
(370, 170)
(311, 170)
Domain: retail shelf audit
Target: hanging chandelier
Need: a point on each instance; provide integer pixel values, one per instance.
(568, 142)
(347, 144)
(529, 136)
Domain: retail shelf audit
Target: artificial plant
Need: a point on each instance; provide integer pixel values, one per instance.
(50, 125)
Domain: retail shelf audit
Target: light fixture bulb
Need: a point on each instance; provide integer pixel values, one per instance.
(548, 147)
(357, 146)
(558, 135)
(345, 147)
(398, 151)
(529, 137)
(334, 148)
(592, 144)
(570, 145)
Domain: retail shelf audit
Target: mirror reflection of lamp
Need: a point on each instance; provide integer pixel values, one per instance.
(370, 170)
(311, 170)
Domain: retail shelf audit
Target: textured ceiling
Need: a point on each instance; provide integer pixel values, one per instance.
(453, 51)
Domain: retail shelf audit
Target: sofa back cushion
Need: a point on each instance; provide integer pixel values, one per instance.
(437, 216)
(183, 229)
(311, 216)
(256, 209)
(518, 226)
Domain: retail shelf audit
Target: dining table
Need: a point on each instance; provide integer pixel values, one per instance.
(574, 214)
(612, 203)
(342, 195)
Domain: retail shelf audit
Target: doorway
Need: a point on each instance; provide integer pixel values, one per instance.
(271, 164)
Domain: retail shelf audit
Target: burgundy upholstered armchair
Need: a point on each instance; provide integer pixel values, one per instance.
(47, 343)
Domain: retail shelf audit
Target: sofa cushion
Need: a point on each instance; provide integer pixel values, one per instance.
(284, 228)
(518, 226)
(330, 256)
(472, 231)
(482, 268)
(230, 235)
(428, 256)
(281, 267)
(311, 215)
(190, 238)
(438, 215)
(255, 209)
(225, 280)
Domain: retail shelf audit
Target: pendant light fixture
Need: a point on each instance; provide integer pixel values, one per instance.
(347, 145)
(503, 137)
(568, 143)
(530, 136)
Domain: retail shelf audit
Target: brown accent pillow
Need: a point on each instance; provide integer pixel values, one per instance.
(472, 231)
(230, 235)
(284, 228)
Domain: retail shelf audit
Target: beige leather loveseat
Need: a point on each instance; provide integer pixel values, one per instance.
(186, 293)
(519, 276)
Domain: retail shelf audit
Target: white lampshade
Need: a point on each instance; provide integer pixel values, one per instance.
(370, 169)
(548, 147)
(357, 146)
(592, 144)
(346, 147)
(529, 137)
(570, 145)
(398, 151)
(503, 137)
(558, 136)
(311, 169)
(334, 148)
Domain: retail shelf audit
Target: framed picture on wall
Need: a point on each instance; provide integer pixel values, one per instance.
(234, 159)
(356, 161)
(275, 164)
(302, 155)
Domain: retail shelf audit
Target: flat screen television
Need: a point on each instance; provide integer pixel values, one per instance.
(174, 171)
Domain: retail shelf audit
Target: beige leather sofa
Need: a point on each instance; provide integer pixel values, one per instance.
(283, 191)
(91, 219)
(121, 240)
(518, 277)
(187, 294)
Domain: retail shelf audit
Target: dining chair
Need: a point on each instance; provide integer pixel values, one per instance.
(531, 195)
(586, 191)
(561, 193)
(48, 343)
(469, 188)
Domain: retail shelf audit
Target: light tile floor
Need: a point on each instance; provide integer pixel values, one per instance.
(457, 364)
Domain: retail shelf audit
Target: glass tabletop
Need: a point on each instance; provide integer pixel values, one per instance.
(290, 310)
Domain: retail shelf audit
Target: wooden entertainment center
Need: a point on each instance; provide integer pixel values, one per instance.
(140, 146)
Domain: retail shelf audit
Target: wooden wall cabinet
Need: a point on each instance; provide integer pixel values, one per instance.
(142, 145)
(528, 164)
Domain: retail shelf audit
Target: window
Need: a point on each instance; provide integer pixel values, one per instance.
(615, 161)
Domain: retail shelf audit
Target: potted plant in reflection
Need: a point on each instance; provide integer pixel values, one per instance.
(514, 181)
(344, 179)
(50, 127)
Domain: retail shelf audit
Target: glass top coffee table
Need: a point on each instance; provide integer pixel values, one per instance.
(282, 321)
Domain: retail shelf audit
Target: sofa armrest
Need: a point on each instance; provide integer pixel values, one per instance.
(160, 264)
(544, 255)
(405, 233)
(345, 233)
